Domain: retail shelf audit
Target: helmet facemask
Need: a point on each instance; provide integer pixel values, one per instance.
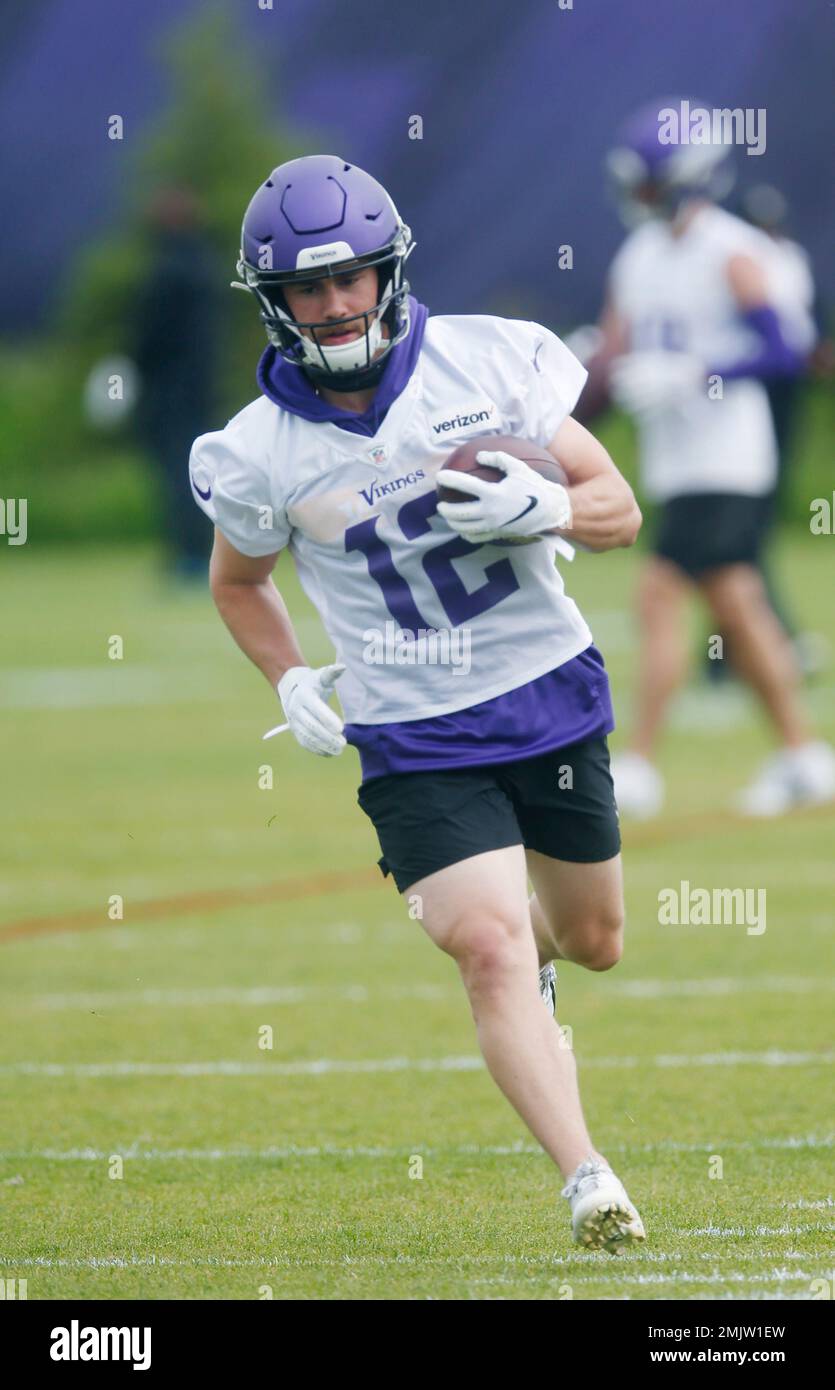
(345, 366)
(660, 190)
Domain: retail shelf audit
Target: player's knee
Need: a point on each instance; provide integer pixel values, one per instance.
(650, 597)
(606, 955)
(484, 951)
(656, 596)
(599, 945)
(733, 597)
(728, 609)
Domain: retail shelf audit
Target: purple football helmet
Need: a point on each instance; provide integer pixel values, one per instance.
(319, 216)
(655, 167)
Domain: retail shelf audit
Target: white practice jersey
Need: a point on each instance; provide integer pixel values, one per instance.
(673, 295)
(359, 517)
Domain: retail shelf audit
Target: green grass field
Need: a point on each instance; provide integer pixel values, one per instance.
(247, 1169)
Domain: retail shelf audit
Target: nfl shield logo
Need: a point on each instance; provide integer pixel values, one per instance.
(378, 454)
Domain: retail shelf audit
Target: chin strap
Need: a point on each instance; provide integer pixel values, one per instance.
(359, 380)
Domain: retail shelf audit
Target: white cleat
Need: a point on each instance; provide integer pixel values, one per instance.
(639, 787)
(602, 1216)
(802, 776)
(812, 652)
(548, 987)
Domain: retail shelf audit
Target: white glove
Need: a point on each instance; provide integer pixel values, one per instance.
(523, 504)
(303, 692)
(646, 382)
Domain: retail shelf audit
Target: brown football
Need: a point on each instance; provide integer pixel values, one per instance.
(463, 460)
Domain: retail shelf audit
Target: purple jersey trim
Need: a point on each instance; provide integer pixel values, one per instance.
(289, 387)
(564, 706)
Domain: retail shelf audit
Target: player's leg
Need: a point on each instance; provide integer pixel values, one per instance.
(477, 912)
(663, 653)
(761, 650)
(662, 666)
(804, 769)
(578, 909)
(565, 806)
(564, 802)
(453, 843)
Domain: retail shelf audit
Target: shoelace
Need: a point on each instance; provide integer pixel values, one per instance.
(589, 1174)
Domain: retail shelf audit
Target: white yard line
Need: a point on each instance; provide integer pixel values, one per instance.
(151, 1153)
(228, 994)
(362, 994)
(718, 985)
(111, 683)
(325, 1066)
(729, 1277)
(745, 1232)
(607, 1269)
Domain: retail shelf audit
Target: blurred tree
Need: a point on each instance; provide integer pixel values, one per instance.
(215, 138)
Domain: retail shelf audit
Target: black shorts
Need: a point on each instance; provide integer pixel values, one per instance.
(560, 803)
(706, 530)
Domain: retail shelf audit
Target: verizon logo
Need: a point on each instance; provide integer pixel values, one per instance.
(462, 422)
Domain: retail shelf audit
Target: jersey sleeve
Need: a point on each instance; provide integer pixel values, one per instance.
(233, 489)
(550, 385)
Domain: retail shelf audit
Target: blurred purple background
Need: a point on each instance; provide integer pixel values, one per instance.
(519, 104)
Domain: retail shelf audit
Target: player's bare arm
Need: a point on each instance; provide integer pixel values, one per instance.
(253, 609)
(604, 512)
(257, 617)
(747, 281)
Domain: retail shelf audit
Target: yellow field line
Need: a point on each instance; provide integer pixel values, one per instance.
(655, 834)
(182, 904)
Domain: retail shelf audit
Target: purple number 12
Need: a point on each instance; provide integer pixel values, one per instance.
(458, 604)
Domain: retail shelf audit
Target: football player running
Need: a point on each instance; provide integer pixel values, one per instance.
(692, 329)
(473, 783)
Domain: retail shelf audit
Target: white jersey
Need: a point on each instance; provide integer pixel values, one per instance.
(673, 295)
(359, 517)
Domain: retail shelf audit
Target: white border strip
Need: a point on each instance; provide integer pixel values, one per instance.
(362, 994)
(325, 1066)
(604, 1274)
(140, 1153)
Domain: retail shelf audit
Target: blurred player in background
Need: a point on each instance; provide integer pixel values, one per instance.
(691, 331)
(793, 290)
(176, 351)
(363, 398)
